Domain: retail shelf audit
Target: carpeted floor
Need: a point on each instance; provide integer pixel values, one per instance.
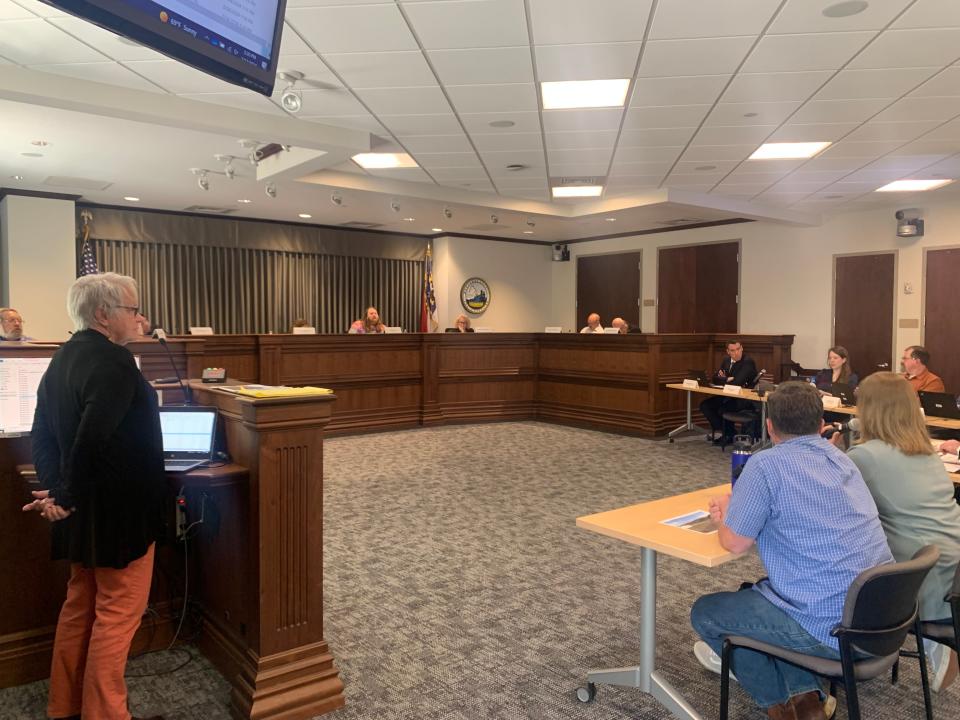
(457, 585)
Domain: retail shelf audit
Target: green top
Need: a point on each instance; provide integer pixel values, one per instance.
(914, 496)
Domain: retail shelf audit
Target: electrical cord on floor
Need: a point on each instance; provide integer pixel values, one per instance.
(190, 658)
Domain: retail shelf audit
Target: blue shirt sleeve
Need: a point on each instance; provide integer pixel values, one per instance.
(750, 506)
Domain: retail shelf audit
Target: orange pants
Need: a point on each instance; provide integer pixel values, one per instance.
(103, 610)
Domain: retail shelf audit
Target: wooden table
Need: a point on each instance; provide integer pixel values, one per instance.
(743, 395)
(642, 525)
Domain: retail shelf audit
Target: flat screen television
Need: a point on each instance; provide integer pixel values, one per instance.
(235, 40)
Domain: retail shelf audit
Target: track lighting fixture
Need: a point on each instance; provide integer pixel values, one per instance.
(447, 213)
(531, 223)
(228, 169)
(336, 199)
(202, 180)
(291, 99)
(395, 206)
(271, 190)
(494, 219)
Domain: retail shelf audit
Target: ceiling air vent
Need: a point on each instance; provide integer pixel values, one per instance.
(76, 183)
(209, 209)
(361, 225)
(681, 221)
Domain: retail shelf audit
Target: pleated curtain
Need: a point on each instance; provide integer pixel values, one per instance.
(243, 290)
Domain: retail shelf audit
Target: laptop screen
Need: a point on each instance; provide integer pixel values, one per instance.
(188, 431)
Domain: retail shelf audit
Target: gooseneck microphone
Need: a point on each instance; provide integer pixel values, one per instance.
(845, 428)
(161, 337)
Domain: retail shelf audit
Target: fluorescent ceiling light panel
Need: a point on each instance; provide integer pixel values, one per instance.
(565, 191)
(914, 185)
(380, 161)
(584, 94)
(781, 151)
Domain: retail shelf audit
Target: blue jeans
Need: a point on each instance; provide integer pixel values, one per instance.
(750, 614)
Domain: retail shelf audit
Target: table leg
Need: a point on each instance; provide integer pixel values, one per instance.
(645, 676)
(763, 422)
(689, 426)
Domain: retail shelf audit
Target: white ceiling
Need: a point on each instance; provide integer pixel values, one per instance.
(711, 81)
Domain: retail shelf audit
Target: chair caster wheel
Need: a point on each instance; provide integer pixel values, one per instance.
(587, 694)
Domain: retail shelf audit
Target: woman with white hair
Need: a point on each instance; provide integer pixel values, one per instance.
(99, 457)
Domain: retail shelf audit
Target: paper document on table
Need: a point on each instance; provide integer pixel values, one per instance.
(950, 466)
(698, 521)
(272, 391)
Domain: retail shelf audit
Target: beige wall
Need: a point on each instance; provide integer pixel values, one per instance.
(38, 262)
(519, 277)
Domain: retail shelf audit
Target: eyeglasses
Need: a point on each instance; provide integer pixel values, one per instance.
(134, 309)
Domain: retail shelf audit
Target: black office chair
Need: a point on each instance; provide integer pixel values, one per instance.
(879, 611)
(748, 420)
(948, 635)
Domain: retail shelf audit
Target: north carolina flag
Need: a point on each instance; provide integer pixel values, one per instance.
(429, 322)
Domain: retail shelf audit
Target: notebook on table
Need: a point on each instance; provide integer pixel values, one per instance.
(188, 436)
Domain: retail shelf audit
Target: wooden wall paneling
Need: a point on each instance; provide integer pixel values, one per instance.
(677, 290)
(718, 287)
(941, 321)
(609, 285)
(863, 310)
(430, 413)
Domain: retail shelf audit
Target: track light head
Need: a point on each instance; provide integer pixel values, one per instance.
(336, 199)
(447, 213)
(291, 99)
(494, 219)
(395, 206)
(271, 190)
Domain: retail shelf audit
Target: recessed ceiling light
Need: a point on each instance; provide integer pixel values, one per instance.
(244, 201)
(705, 167)
(379, 161)
(913, 185)
(528, 232)
(567, 191)
(750, 114)
(610, 219)
(131, 198)
(517, 167)
(845, 9)
(436, 229)
(39, 143)
(31, 154)
(305, 216)
(409, 219)
(502, 123)
(584, 94)
(16, 177)
(791, 150)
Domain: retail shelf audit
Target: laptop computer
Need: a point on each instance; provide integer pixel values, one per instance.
(942, 405)
(845, 392)
(700, 376)
(188, 436)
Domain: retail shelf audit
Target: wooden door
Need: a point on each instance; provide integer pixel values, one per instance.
(863, 311)
(609, 285)
(698, 288)
(941, 322)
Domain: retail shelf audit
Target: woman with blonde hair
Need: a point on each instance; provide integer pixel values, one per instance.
(462, 325)
(914, 495)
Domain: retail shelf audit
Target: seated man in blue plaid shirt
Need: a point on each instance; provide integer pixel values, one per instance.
(806, 506)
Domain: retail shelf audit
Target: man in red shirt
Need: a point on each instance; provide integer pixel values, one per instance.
(915, 360)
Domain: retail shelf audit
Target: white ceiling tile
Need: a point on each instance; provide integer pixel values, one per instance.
(639, 168)
(529, 195)
(560, 22)
(821, 163)
(103, 72)
(648, 154)
(364, 28)
(666, 116)
(793, 184)
(741, 189)
(11, 11)
(654, 137)
(409, 174)
(312, 67)
(242, 100)
(437, 144)
(803, 16)
(835, 111)
(463, 174)
(812, 132)
(468, 162)
(497, 162)
(824, 176)
(698, 19)
(483, 66)
(888, 83)
(366, 123)
(331, 103)
(712, 56)
(931, 14)
(493, 98)
(575, 140)
(945, 168)
(507, 141)
(760, 113)
(382, 70)
(576, 157)
(933, 109)
(929, 147)
(634, 181)
(179, 78)
(875, 175)
(791, 53)
(946, 83)
(772, 87)
(405, 100)
(772, 166)
(902, 131)
(699, 182)
(523, 122)
(37, 42)
(385, 145)
(586, 62)
(104, 41)
(291, 43)
(711, 153)
(720, 166)
(734, 135)
(469, 23)
(438, 124)
(742, 176)
(847, 149)
(906, 163)
(480, 186)
(581, 169)
(948, 131)
(582, 120)
(695, 90)
(526, 181)
(911, 48)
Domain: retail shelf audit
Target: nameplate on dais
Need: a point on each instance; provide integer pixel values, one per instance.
(693, 384)
(732, 389)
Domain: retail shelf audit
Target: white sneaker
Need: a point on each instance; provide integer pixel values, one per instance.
(708, 658)
(943, 664)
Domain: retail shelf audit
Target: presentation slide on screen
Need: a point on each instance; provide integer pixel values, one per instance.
(19, 379)
(186, 431)
(249, 23)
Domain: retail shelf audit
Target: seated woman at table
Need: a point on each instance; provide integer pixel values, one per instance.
(914, 496)
(369, 324)
(837, 371)
(462, 325)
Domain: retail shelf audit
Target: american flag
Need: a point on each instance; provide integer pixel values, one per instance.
(88, 261)
(429, 322)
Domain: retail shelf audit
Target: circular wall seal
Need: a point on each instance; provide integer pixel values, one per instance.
(475, 295)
